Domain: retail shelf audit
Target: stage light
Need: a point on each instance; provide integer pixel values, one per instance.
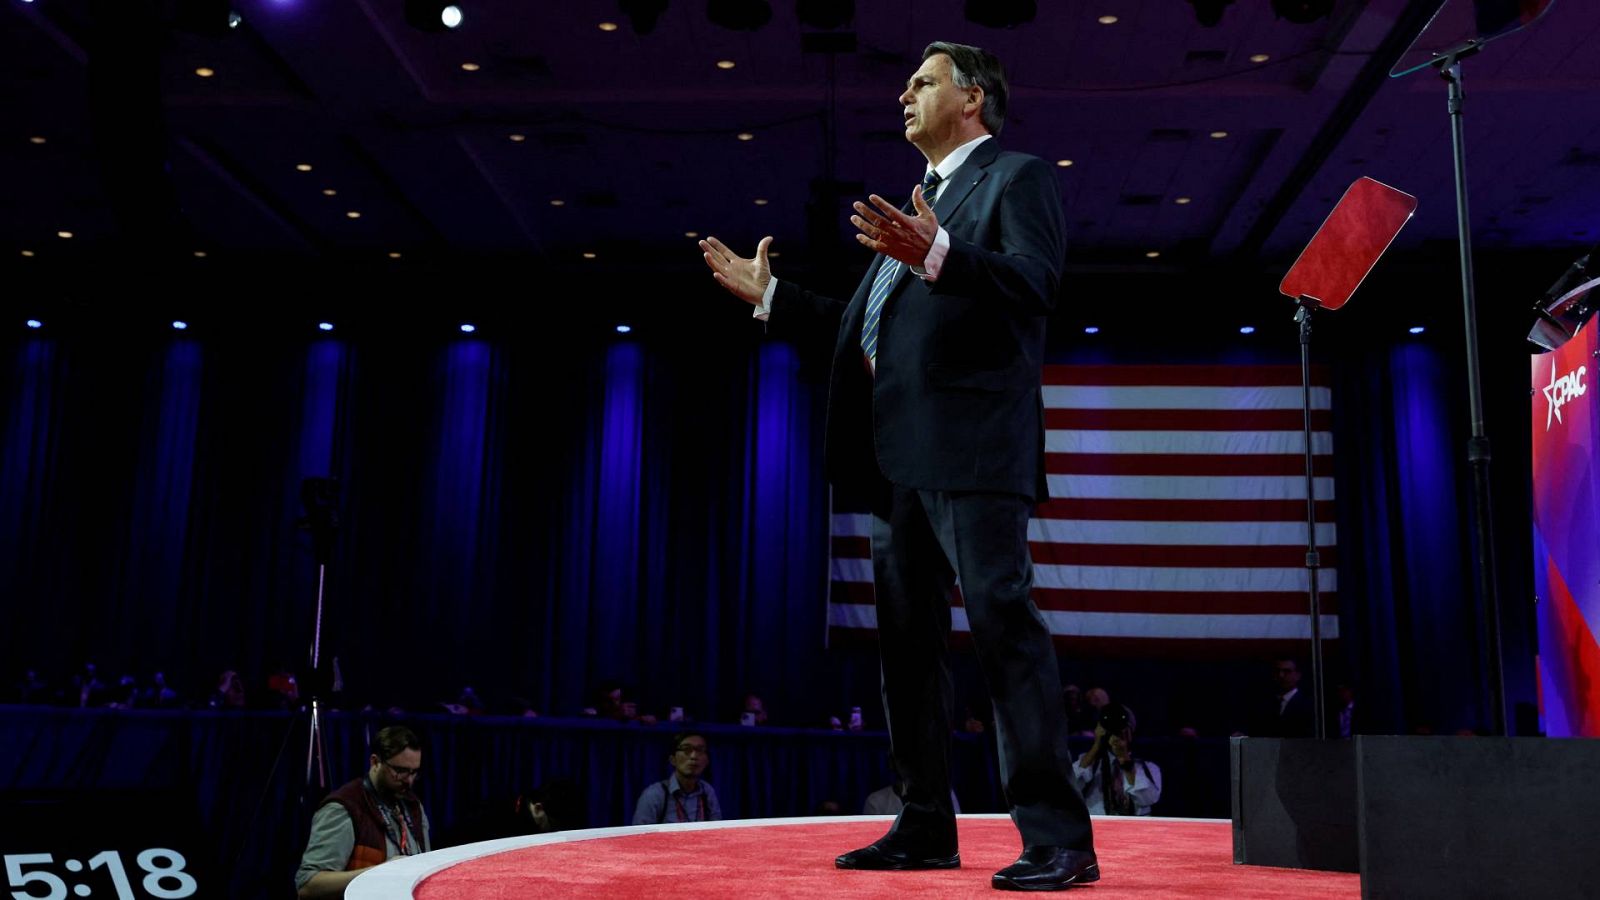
(1417, 329)
(642, 13)
(1091, 329)
(1209, 12)
(35, 323)
(1001, 13)
(1247, 329)
(325, 326)
(468, 327)
(739, 15)
(825, 13)
(624, 329)
(1302, 12)
(180, 325)
(433, 15)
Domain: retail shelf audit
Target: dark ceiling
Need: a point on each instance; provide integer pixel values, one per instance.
(1180, 144)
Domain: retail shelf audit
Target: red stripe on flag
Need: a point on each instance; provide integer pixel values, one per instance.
(1075, 419)
(1280, 603)
(1182, 510)
(1183, 464)
(1126, 648)
(1185, 376)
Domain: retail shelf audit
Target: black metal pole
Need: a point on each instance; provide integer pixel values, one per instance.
(1313, 557)
(1478, 444)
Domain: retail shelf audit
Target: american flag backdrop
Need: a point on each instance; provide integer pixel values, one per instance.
(1177, 518)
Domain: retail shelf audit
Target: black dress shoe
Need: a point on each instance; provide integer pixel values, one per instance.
(886, 854)
(1048, 869)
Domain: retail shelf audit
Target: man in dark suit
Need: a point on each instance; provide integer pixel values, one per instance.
(935, 416)
(1288, 712)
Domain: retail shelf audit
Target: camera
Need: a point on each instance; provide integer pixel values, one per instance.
(1113, 718)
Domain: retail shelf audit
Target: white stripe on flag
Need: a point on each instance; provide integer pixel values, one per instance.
(852, 525)
(1214, 534)
(1174, 442)
(1230, 580)
(1125, 625)
(1186, 487)
(1163, 578)
(1083, 396)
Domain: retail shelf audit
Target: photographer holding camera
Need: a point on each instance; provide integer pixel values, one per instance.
(1134, 784)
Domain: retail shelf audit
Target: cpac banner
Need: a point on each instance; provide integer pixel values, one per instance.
(1566, 534)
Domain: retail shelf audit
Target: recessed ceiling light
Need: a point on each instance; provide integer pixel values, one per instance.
(1152, 254)
(1064, 163)
(761, 201)
(303, 167)
(1247, 329)
(199, 254)
(1091, 329)
(1107, 20)
(725, 64)
(589, 254)
(35, 323)
(1219, 134)
(624, 329)
(746, 136)
(36, 140)
(691, 234)
(517, 138)
(28, 253)
(352, 214)
(204, 72)
(558, 203)
(394, 254)
(470, 67)
(1260, 58)
(1184, 201)
(773, 254)
(608, 26)
(1417, 329)
(329, 192)
(64, 235)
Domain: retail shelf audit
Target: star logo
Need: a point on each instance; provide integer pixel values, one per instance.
(1554, 408)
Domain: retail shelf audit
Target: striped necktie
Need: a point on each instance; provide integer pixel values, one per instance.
(888, 274)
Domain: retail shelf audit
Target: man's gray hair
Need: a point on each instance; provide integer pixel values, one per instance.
(971, 66)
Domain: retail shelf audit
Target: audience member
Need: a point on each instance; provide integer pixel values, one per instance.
(684, 796)
(754, 711)
(1287, 712)
(229, 693)
(368, 821)
(1134, 784)
(1080, 717)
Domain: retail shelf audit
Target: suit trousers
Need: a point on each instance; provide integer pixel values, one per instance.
(920, 545)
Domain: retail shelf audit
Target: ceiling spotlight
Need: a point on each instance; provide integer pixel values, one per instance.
(739, 15)
(303, 167)
(1209, 12)
(1302, 12)
(180, 325)
(1260, 58)
(725, 63)
(1064, 163)
(1107, 20)
(35, 323)
(1091, 329)
(558, 203)
(691, 234)
(1152, 254)
(468, 327)
(64, 235)
(1417, 329)
(36, 140)
(1219, 135)
(394, 254)
(641, 13)
(28, 253)
(624, 329)
(1247, 329)
(204, 72)
(199, 254)
(517, 138)
(1001, 13)
(470, 67)
(325, 326)
(761, 201)
(1184, 201)
(432, 15)
(353, 214)
(329, 192)
(745, 136)
(826, 14)
(590, 254)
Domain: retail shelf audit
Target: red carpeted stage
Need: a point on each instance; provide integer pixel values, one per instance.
(1147, 857)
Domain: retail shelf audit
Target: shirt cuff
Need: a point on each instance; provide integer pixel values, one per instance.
(929, 270)
(764, 308)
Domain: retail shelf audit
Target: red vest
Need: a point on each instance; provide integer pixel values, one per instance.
(371, 845)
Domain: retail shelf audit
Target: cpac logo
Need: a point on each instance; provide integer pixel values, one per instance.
(1562, 390)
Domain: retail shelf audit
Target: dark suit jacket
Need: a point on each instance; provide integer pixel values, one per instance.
(956, 404)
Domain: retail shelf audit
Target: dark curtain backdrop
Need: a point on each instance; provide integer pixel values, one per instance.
(535, 513)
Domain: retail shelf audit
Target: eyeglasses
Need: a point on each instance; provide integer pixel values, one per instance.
(402, 771)
(693, 750)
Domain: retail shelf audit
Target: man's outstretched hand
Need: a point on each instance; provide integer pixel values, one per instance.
(746, 279)
(891, 232)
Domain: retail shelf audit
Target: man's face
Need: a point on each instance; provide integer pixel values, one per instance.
(691, 757)
(1287, 674)
(396, 774)
(933, 105)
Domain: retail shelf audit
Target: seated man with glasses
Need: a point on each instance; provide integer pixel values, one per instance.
(373, 819)
(683, 797)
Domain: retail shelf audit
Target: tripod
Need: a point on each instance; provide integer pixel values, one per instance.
(319, 495)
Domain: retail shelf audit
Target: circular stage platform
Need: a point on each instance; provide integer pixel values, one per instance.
(1139, 857)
